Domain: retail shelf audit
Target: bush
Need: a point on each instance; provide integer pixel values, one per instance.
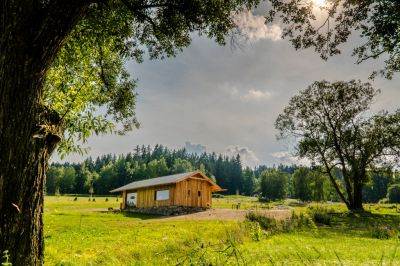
(298, 221)
(255, 231)
(320, 215)
(273, 226)
(393, 193)
(267, 223)
(217, 196)
(384, 232)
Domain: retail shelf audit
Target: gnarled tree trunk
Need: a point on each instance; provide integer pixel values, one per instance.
(32, 33)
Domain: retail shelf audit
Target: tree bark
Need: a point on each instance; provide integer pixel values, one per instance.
(31, 36)
(357, 200)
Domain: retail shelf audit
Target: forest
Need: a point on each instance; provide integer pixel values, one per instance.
(99, 176)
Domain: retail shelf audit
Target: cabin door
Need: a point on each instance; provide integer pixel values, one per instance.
(131, 199)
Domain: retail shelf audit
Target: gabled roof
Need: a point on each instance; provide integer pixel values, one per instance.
(163, 180)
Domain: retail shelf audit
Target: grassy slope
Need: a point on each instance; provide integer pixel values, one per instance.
(75, 235)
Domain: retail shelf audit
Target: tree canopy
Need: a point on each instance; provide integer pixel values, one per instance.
(334, 130)
(331, 24)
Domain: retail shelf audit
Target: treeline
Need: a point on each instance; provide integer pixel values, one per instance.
(99, 176)
(309, 184)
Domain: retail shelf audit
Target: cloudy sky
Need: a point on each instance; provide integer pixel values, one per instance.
(227, 99)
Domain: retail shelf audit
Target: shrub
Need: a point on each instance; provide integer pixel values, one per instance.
(384, 232)
(298, 221)
(393, 193)
(254, 230)
(320, 215)
(273, 226)
(267, 223)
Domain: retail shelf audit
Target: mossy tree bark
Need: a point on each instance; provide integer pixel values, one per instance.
(32, 33)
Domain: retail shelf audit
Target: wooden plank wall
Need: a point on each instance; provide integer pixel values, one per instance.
(145, 196)
(123, 204)
(185, 198)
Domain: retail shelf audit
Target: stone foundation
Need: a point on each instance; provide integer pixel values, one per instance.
(167, 210)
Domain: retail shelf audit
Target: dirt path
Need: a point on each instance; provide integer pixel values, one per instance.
(211, 214)
(226, 215)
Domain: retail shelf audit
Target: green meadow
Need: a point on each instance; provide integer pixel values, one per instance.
(86, 233)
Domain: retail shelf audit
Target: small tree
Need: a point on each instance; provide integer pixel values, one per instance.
(319, 185)
(249, 181)
(330, 122)
(302, 184)
(274, 185)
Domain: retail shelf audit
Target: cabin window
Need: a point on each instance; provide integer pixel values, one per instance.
(162, 194)
(189, 192)
(199, 193)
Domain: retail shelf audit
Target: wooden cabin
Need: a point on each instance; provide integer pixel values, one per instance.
(188, 189)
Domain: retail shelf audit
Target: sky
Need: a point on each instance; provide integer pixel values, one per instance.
(225, 99)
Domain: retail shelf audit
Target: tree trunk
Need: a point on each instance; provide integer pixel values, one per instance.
(357, 201)
(28, 136)
(32, 33)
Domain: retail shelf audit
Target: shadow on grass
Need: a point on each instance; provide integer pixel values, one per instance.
(362, 224)
(141, 216)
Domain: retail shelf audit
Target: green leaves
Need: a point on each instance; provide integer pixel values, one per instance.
(325, 28)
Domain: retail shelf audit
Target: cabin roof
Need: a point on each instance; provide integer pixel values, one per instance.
(163, 180)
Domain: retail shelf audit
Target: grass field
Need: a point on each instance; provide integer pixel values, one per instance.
(80, 233)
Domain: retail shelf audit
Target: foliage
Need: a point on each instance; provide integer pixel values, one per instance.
(274, 185)
(330, 123)
(393, 193)
(377, 187)
(273, 226)
(298, 222)
(5, 259)
(182, 166)
(384, 232)
(255, 231)
(324, 28)
(302, 184)
(320, 215)
(270, 225)
(249, 181)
